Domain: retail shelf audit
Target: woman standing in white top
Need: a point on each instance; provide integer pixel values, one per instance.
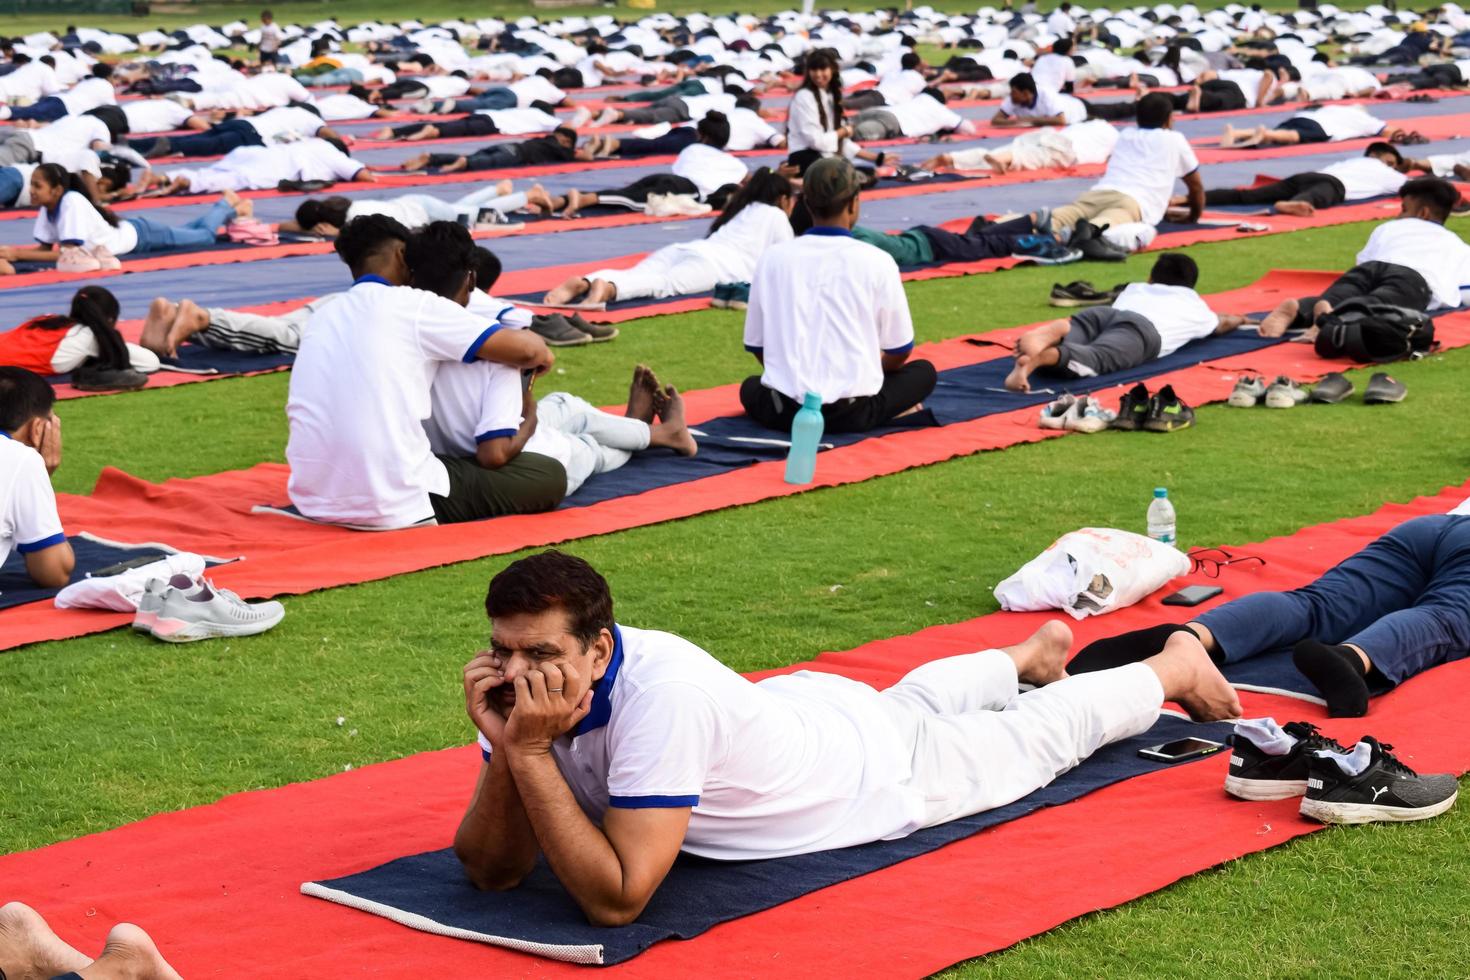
(814, 126)
(757, 217)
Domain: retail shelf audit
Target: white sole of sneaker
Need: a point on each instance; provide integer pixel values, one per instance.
(1242, 401)
(1355, 813)
(1088, 426)
(1264, 789)
(180, 631)
(1053, 423)
(1280, 400)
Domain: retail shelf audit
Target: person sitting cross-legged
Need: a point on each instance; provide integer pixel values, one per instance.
(610, 749)
(1393, 610)
(1147, 321)
(1412, 261)
(30, 451)
(828, 315)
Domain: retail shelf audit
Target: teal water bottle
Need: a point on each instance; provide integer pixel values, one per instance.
(806, 433)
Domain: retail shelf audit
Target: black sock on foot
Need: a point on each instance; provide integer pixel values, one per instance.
(1337, 672)
(1127, 648)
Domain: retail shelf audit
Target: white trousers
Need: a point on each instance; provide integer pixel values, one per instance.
(237, 330)
(586, 441)
(978, 744)
(671, 271)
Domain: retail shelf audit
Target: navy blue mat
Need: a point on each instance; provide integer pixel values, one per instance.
(198, 359)
(539, 917)
(16, 587)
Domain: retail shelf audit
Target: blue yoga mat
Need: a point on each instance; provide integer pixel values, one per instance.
(198, 359)
(429, 891)
(92, 555)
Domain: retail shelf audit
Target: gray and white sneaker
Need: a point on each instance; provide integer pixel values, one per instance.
(1285, 393)
(1247, 393)
(152, 601)
(202, 611)
(557, 331)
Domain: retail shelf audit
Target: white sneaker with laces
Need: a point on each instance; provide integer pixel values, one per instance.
(152, 601)
(1285, 393)
(200, 611)
(1054, 414)
(1087, 415)
(1247, 393)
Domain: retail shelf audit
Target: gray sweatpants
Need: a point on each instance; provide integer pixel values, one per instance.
(16, 147)
(236, 330)
(875, 124)
(670, 110)
(1103, 340)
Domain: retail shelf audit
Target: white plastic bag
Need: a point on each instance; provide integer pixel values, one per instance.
(1090, 572)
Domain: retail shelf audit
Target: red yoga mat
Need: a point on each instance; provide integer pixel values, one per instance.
(216, 885)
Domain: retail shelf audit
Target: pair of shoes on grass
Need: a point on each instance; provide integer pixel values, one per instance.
(1163, 411)
(1082, 293)
(1076, 415)
(570, 331)
(1337, 784)
(183, 609)
(731, 296)
(1285, 393)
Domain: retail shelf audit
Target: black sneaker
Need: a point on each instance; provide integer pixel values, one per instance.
(1166, 413)
(1087, 238)
(1257, 775)
(557, 332)
(1387, 790)
(1132, 409)
(1384, 390)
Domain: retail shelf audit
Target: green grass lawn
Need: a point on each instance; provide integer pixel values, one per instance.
(108, 729)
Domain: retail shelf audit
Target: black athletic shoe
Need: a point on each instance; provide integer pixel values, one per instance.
(1087, 238)
(1387, 790)
(1167, 413)
(1332, 389)
(1132, 409)
(1384, 390)
(1255, 775)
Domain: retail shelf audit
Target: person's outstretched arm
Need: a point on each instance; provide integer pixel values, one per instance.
(520, 349)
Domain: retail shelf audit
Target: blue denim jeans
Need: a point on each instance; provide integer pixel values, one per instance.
(154, 236)
(11, 184)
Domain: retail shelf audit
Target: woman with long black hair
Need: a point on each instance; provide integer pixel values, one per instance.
(84, 342)
(815, 127)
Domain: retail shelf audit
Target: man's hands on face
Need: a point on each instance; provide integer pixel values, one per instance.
(550, 700)
(482, 676)
(48, 442)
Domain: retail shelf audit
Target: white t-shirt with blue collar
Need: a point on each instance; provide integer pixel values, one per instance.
(790, 765)
(28, 518)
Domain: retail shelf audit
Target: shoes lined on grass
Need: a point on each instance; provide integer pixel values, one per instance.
(1167, 412)
(1382, 790)
(1132, 408)
(1284, 393)
(1258, 773)
(1082, 293)
(599, 332)
(1384, 390)
(558, 331)
(1248, 392)
(1332, 389)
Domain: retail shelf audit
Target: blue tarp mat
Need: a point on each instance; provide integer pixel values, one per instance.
(699, 894)
(198, 359)
(16, 587)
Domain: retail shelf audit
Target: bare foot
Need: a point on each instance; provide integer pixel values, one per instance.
(130, 953)
(156, 325)
(1019, 378)
(537, 198)
(1321, 309)
(1042, 657)
(641, 394)
(420, 162)
(574, 204)
(428, 132)
(189, 320)
(29, 949)
(386, 133)
(672, 431)
(935, 164)
(601, 291)
(1299, 209)
(1280, 319)
(504, 187)
(996, 163)
(1190, 677)
(244, 207)
(454, 167)
(587, 152)
(567, 292)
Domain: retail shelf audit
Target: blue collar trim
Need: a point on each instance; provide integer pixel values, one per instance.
(6, 434)
(601, 712)
(828, 230)
(377, 279)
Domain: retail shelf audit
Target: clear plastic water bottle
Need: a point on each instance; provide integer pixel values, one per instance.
(806, 433)
(1161, 518)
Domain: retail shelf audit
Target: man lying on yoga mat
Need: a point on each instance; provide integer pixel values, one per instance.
(1078, 144)
(828, 315)
(1380, 170)
(29, 948)
(1395, 609)
(559, 147)
(30, 451)
(359, 395)
(1147, 321)
(1324, 124)
(488, 413)
(610, 749)
(484, 122)
(483, 208)
(1413, 261)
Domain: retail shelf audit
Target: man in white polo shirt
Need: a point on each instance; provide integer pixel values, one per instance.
(610, 749)
(1030, 104)
(1134, 192)
(828, 315)
(30, 451)
(1380, 170)
(359, 395)
(1413, 261)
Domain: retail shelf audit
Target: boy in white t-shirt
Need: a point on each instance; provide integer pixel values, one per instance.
(30, 451)
(1413, 261)
(1147, 321)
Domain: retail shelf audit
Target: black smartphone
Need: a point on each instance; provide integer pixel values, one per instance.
(526, 378)
(128, 565)
(1181, 749)
(1192, 595)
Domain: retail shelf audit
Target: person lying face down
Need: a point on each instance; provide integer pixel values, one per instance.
(30, 451)
(608, 748)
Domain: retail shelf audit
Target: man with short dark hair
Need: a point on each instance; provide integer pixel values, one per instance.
(1147, 321)
(359, 392)
(828, 315)
(610, 749)
(30, 451)
(1412, 261)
